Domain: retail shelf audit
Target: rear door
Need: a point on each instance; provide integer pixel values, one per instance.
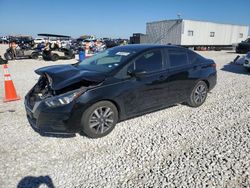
(179, 79)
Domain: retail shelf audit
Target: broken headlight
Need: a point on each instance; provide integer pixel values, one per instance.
(64, 99)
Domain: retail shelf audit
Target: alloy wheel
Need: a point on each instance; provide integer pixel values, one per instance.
(200, 94)
(101, 120)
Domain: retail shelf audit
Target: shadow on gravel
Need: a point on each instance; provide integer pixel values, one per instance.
(54, 135)
(57, 135)
(235, 68)
(36, 182)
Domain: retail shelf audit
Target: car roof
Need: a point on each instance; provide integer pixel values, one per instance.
(144, 47)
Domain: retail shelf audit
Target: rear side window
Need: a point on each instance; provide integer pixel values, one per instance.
(150, 61)
(194, 58)
(177, 58)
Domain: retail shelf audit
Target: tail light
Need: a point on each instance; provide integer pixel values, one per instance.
(213, 65)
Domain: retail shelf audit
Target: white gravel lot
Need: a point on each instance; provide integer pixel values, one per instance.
(180, 146)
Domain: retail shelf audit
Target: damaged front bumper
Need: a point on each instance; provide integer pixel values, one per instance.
(57, 120)
(57, 101)
(47, 122)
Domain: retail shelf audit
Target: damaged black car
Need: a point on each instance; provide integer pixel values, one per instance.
(123, 82)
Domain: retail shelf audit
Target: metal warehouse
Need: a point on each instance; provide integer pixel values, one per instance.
(194, 33)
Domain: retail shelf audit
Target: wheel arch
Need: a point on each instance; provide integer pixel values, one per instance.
(114, 103)
(207, 82)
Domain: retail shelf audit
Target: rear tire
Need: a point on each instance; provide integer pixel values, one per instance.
(198, 95)
(7, 56)
(99, 119)
(34, 56)
(54, 57)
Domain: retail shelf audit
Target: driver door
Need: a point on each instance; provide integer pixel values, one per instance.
(148, 84)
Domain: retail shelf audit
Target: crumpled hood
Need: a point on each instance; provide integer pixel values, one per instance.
(66, 75)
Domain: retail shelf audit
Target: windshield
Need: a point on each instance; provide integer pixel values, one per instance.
(107, 60)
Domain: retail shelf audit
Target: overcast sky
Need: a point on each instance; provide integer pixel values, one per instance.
(111, 18)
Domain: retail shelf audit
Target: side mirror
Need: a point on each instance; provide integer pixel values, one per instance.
(137, 73)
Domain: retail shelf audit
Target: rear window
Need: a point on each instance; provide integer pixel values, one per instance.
(194, 58)
(177, 58)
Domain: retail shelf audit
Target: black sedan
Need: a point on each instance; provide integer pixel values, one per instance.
(120, 83)
(243, 47)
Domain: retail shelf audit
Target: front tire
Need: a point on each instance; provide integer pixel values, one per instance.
(99, 119)
(198, 95)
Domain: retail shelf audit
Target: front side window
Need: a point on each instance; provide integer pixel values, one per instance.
(149, 62)
(177, 58)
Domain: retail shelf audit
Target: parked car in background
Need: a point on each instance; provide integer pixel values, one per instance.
(4, 40)
(3, 61)
(39, 40)
(247, 61)
(22, 40)
(54, 53)
(243, 47)
(110, 43)
(115, 85)
(65, 44)
(22, 53)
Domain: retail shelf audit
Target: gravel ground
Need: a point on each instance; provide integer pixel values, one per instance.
(180, 146)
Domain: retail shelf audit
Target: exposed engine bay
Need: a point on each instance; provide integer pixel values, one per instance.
(42, 90)
(57, 80)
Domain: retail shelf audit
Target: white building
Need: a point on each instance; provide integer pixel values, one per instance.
(194, 33)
